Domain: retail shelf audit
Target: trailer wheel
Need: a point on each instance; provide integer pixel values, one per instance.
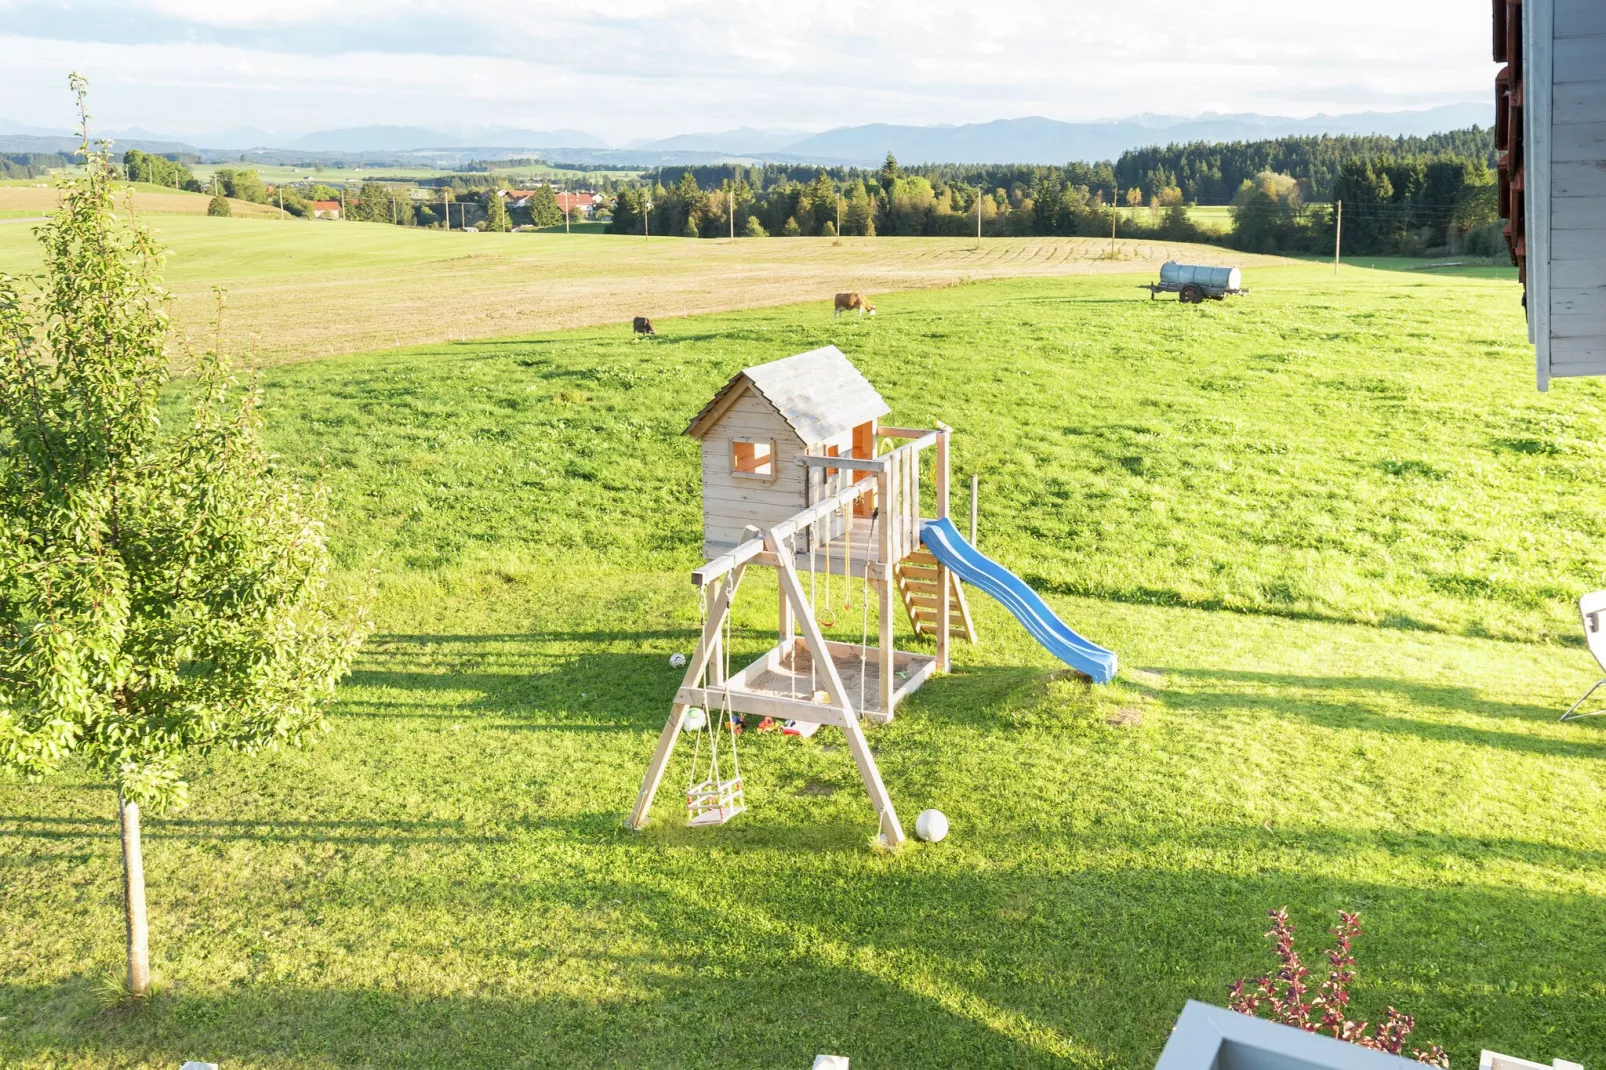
(1191, 295)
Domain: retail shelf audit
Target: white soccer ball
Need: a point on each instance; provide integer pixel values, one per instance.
(677, 661)
(696, 718)
(931, 826)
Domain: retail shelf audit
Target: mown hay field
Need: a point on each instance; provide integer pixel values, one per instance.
(305, 289)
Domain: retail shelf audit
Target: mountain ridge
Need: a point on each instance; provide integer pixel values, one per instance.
(1025, 140)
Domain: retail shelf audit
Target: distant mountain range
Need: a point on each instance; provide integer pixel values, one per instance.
(1026, 140)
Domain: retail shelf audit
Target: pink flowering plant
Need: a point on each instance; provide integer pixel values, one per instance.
(1287, 995)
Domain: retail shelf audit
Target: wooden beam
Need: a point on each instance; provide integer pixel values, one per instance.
(855, 464)
(891, 830)
(706, 645)
(777, 706)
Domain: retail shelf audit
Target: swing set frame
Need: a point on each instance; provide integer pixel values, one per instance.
(893, 479)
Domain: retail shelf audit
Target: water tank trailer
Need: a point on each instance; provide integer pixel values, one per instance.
(1192, 283)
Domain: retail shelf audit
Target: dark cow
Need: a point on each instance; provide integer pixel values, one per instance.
(851, 302)
(643, 325)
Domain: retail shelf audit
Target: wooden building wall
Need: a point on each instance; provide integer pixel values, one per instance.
(1557, 82)
(731, 502)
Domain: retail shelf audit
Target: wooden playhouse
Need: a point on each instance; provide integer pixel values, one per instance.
(800, 475)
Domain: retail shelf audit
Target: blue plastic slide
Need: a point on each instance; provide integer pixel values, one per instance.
(972, 566)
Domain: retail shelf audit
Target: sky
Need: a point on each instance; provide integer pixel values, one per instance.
(631, 69)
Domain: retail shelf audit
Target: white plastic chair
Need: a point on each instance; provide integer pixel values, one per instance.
(1592, 607)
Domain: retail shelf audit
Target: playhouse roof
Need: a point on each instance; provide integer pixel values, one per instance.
(819, 393)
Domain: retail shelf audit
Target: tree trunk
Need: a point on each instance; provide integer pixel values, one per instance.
(139, 956)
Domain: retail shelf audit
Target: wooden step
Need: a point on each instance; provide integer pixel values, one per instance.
(917, 577)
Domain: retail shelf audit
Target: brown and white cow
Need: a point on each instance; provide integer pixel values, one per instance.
(643, 325)
(850, 302)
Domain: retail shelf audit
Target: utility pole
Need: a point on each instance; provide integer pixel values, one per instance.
(839, 215)
(1338, 235)
(730, 202)
(1115, 214)
(646, 227)
(281, 202)
(568, 205)
(978, 217)
(446, 207)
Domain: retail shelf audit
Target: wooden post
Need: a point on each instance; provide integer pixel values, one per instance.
(716, 666)
(978, 217)
(888, 517)
(713, 628)
(1338, 234)
(281, 199)
(944, 580)
(891, 830)
(975, 482)
(139, 953)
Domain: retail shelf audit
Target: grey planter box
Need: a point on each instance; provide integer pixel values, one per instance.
(1214, 1038)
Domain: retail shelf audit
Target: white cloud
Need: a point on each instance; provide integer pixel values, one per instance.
(633, 68)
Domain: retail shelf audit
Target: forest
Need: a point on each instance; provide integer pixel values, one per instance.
(1402, 195)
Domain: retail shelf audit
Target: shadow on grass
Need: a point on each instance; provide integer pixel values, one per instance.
(1341, 702)
(919, 964)
(276, 830)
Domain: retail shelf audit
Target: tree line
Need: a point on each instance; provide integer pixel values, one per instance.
(1077, 199)
(1213, 173)
(1390, 205)
(30, 164)
(1405, 195)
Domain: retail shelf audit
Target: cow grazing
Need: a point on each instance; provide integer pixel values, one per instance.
(643, 325)
(850, 302)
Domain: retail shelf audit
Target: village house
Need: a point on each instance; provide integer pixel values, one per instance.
(326, 209)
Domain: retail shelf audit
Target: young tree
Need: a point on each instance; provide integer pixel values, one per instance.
(219, 205)
(791, 229)
(162, 592)
(544, 208)
(496, 217)
(754, 228)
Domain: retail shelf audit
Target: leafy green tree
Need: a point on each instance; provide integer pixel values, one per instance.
(544, 208)
(219, 205)
(628, 208)
(242, 185)
(754, 229)
(791, 229)
(162, 592)
(379, 203)
(158, 170)
(496, 217)
(829, 230)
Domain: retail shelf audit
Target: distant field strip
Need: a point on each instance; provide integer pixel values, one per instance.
(301, 290)
(152, 199)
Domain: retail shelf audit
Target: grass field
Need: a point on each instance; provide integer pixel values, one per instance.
(1332, 531)
(154, 200)
(303, 289)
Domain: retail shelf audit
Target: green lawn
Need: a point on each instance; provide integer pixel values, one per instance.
(1331, 529)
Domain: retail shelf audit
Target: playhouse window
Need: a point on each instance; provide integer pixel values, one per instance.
(755, 459)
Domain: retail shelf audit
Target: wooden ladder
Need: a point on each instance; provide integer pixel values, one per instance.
(917, 583)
